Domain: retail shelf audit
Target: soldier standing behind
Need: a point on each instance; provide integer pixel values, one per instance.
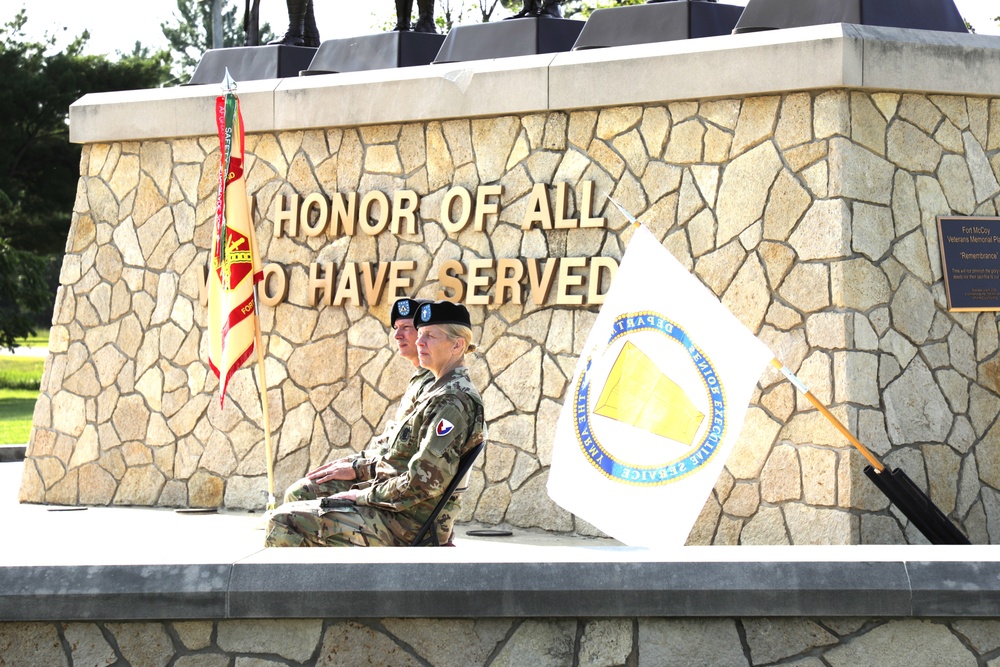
(328, 479)
(393, 494)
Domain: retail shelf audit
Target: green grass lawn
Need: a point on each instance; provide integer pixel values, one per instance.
(40, 339)
(19, 380)
(21, 372)
(16, 408)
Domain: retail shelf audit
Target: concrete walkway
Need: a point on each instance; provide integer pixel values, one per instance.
(132, 536)
(118, 563)
(40, 352)
(61, 535)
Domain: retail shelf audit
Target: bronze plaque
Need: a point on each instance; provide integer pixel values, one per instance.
(970, 261)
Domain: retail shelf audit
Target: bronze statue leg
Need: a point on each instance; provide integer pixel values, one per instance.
(403, 10)
(550, 9)
(251, 23)
(425, 19)
(295, 36)
(529, 9)
(311, 33)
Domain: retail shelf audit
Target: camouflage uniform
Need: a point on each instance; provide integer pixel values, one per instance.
(306, 489)
(408, 480)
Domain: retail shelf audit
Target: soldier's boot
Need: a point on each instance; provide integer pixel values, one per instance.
(529, 9)
(425, 17)
(550, 9)
(311, 31)
(295, 36)
(403, 10)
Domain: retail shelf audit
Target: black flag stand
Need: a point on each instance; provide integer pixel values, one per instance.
(894, 484)
(914, 503)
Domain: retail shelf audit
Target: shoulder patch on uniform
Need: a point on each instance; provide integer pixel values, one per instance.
(443, 427)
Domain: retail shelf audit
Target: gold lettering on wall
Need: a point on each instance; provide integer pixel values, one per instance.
(481, 281)
(452, 287)
(321, 282)
(341, 214)
(484, 207)
(600, 266)
(322, 217)
(345, 214)
(509, 275)
(540, 283)
(567, 279)
(456, 210)
(274, 285)
(286, 215)
(476, 281)
(404, 207)
(348, 289)
(586, 200)
(399, 284)
(538, 212)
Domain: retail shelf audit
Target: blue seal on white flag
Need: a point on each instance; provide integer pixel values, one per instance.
(676, 400)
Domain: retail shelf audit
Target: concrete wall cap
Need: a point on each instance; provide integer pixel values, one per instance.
(815, 57)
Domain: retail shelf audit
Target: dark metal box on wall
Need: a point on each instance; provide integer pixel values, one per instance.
(504, 39)
(657, 22)
(384, 50)
(918, 14)
(252, 63)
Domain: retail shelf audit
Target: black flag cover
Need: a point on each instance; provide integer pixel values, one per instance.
(916, 506)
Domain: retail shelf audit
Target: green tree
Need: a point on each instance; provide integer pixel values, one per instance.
(39, 167)
(584, 8)
(190, 32)
(488, 7)
(450, 13)
(23, 292)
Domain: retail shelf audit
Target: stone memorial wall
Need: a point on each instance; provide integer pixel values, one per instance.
(811, 214)
(669, 642)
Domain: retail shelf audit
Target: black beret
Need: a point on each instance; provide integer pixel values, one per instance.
(404, 309)
(442, 312)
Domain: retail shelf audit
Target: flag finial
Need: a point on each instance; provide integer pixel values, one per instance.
(629, 216)
(228, 85)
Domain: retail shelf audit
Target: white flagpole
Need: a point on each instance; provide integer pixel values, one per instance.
(271, 503)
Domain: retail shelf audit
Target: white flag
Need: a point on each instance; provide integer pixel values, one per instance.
(656, 404)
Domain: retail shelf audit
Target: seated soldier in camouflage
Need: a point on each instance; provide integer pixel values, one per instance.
(328, 479)
(393, 494)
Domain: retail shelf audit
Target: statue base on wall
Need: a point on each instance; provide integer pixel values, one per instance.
(657, 22)
(252, 63)
(503, 39)
(383, 50)
(917, 14)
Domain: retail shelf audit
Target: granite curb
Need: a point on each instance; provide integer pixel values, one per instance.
(919, 589)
